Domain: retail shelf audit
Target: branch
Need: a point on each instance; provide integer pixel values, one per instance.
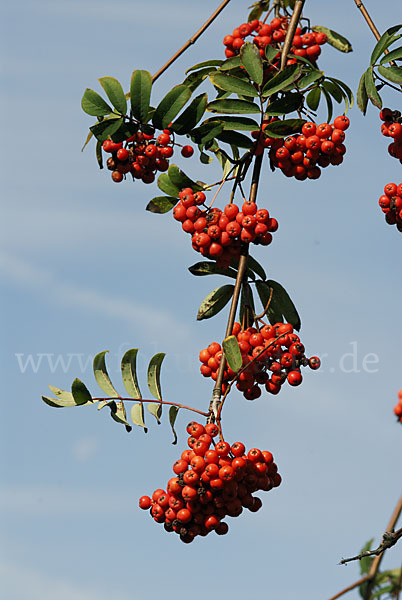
(192, 40)
(291, 31)
(200, 412)
(350, 587)
(389, 539)
(370, 23)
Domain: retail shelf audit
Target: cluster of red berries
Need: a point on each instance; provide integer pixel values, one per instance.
(210, 484)
(398, 407)
(307, 45)
(273, 361)
(218, 234)
(391, 204)
(142, 156)
(392, 127)
(318, 146)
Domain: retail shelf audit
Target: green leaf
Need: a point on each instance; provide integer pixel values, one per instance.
(170, 106)
(191, 116)
(118, 413)
(372, 93)
(63, 398)
(233, 107)
(329, 102)
(310, 78)
(393, 55)
(89, 136)
(115, 93)
(137, 415)
(231, 63)
(281, 129)
(335, 91)
(286, 304)
(313, 98)
(101, 375)
(361, 96)
(215, 302)
(338, 41)
(385, 40)
(129, 373)
(345, 88)
(234, 85)
(302, 59)
(194, 80)
(203, 268)
(273, 311)
(288, 103)
(393, 73)
(173, 410)
(181, 180)
(166, 185)
(125, 131)
(252, 62)
(155, 410)
(365, 563)
(236, 123)
(246, 300)
(235, 138)
(153, 377)
(98, 152)
(281, 80)
(272, 53)
(206, 63)
(206, 132)
(140, 94)
(93, 104)
(80, 392)
(161, 204)
(256, 267)
(232, 353)
(106, 128)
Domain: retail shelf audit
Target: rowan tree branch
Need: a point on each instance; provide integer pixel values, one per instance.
(291, 31)
(389, 539)
(192, 40)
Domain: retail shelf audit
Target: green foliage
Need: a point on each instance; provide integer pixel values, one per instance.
(281, 80)
(161, 204)
(191, 116)
(203, 268)
(233, 107)
(365, 563)
(232, 353)
(215, 302)
(140, 94)
(336, 40)
(115, 93)
(129, 373)
(385, 41)
(289, 102)
(153, 376)
(279, 129)
(228, 83)
(93, 104)
(170, 106)
(252, 62)
(80, 393)
(102, 376)
(173, 410)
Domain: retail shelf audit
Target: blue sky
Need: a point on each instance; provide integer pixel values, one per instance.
(84, 268)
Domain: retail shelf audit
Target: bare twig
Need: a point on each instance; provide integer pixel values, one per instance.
(389, 539)
(291, 31)
(370, 23)
(191, 41)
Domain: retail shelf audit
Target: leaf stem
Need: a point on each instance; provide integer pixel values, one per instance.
(200, 412)
(192, 40)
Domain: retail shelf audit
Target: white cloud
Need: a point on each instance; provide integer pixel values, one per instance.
(69, 294)
(26, 583)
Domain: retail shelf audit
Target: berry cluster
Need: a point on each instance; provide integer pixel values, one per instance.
(392, 127)
(318, 146)
(398, 407)
(274, 361)
(142, 156)
(391, 204)
(307, 45)
(218, 234)
(210, 484)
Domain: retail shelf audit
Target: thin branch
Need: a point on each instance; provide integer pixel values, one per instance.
(350, 587)
(291, 32)
(371, 24)
(192, 40)
(377, 561)
(200, 412)
(389, 539)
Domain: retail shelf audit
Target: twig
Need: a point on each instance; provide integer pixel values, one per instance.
(191, 41)
(375, 565)
(389, 539)
(377, 561)
(200, 412)
(291, 32)
(350, 587)
(371, 24)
